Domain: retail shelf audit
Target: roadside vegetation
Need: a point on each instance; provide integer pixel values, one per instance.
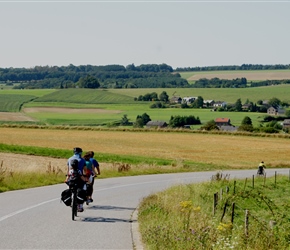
(241, 216)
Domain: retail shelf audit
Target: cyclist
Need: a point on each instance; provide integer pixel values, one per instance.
(89, 173)
(81, 164)
(261, 168)
(78, 156)
(96, 168)
(75, 176)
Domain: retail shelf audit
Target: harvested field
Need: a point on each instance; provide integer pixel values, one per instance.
(224, 150)
(251, 76)
(14, 116)
(32, 163)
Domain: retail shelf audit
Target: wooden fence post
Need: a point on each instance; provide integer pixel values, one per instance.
(245, 183)
(233, 213)
(246, 222)
(235, 186)
(215, 202)
(253, 181)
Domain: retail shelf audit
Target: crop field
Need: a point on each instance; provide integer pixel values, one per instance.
(224, 151)
(12, 103)
(251, 75)
(218, 94)
(99, 107)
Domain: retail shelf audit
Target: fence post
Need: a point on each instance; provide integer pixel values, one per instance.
(246, 222)
(224, 211)
(221, 194)
(245, 183)
(233, 213)
(235, 187)
(253, 181)
(215, 202)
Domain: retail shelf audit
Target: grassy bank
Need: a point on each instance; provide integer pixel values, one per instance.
(183, 217)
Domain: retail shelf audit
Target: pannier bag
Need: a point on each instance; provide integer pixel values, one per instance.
(66, 197)
(81, 196)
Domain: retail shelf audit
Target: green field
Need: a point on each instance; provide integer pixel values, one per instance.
(113, 104)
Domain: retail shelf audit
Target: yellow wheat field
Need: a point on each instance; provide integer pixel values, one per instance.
(223, 150)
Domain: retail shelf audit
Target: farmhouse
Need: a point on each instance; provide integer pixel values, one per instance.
(222, 122)
(188, 100)
(275, 111)
(219, 104)
(208, 103)
(175, 99)
(286, 123)
(156, 124)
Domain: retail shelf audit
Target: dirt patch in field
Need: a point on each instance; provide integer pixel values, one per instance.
(69, 110)
(14, 116)
(250, 76)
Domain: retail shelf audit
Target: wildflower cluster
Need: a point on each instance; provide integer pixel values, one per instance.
(224, 227)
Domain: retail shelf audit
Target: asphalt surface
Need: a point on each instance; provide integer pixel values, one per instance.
(37, 219)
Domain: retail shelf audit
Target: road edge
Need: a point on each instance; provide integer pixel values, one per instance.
(136, 236)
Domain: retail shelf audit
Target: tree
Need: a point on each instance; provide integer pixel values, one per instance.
(247, 121)
(238, 105)
(163, 97)
(141, 120)
(198, 102)
(246, 125)
(210, 125)
(125, 121)
(88, 82)
(274, 102)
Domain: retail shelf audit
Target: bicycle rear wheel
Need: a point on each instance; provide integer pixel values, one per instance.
(74, 207)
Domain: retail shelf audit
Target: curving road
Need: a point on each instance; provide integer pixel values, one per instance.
(36, 219)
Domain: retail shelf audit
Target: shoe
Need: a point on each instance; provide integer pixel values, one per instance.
(80, 208)
(91, 200)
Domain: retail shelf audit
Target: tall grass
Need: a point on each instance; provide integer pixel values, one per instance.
(12, 180)
(182, 217)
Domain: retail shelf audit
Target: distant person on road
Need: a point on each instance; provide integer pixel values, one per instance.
(261, 168)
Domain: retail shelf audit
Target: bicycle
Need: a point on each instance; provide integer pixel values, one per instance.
(74, 205)
(261, 171)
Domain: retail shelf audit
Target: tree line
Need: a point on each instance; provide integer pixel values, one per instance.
(110, 76)
(235, 67)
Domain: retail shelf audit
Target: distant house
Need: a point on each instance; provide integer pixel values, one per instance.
(208, 103)
(219, 104)
(222, 122)
(188, 99)
(175, 99)
(275, 111)
(286, 123)
(156, 124)
(246, 107)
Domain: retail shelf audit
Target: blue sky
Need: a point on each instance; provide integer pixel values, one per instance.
(178, 33)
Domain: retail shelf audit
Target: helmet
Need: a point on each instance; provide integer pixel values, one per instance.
(78, 150)
(74, 164)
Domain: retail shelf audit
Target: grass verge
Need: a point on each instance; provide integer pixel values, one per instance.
(244, 217)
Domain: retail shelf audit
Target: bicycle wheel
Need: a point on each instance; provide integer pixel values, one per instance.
(74, 207)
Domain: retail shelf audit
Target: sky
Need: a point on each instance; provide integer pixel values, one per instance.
(177, 33)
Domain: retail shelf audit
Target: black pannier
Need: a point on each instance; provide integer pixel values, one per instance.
(66, 197)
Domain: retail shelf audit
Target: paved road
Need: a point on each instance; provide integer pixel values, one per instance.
(36, 219)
